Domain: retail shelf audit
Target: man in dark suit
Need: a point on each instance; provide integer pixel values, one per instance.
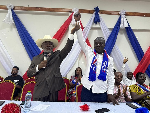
(46, 69)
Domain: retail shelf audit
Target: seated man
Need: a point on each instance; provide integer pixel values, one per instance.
(17, 79)
(121, 92)
(139, 91)
(128, 78)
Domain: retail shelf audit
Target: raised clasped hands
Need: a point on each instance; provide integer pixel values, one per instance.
(76, 28)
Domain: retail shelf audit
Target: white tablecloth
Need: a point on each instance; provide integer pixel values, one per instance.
(73, 107)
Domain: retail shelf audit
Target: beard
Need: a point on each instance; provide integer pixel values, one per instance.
(14, 73)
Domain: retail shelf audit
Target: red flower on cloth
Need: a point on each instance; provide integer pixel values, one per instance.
(84, 107)
(11, 108)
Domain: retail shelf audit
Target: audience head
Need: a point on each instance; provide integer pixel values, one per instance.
(129, 75)
(99, 45)
(140, 78)
(118, 77)
(78, 72)
(47, 43)
(15, 70)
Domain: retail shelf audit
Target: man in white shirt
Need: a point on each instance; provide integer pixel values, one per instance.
(98, 81)
(128, 78)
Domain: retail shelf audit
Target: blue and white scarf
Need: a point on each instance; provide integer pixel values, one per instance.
(104, 66)
(144, 88)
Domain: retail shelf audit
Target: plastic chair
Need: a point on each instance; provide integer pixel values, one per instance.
(62, 94)
(30, 79)
(27, 87)
(7, 89)
(1, 79)
(78, 92)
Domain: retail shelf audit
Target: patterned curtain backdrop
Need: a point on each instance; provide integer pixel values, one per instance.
(6, 59)
(60, 33)
(116, 53)
(112, 37)
(29, 44)
(136, 46)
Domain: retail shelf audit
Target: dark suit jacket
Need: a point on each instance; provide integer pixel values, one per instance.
(48, 79)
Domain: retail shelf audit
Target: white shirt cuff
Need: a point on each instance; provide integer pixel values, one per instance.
(71, 36)
(110, 92)
(37, 68)
(123, 65)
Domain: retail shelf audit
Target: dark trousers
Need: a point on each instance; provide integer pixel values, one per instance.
(52, 97)
(16, 92)
(88, 96)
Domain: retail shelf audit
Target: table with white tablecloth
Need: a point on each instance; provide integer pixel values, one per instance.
(73, 107)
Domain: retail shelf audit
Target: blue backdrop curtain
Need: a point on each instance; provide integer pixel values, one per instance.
(29, 44)
(112, 37)
(136, 46)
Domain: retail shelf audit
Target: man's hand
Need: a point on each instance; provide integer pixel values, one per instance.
(112, 99)
(42, 64)
(124, 91)
(76, 28)
(125, 60)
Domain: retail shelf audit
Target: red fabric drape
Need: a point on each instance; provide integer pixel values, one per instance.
(87, 40)
(60, 33)
(144, 63)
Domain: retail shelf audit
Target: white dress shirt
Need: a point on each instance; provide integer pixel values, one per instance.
(127, 81)
(98, 86)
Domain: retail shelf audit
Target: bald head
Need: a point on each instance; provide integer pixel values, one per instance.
(99, 44)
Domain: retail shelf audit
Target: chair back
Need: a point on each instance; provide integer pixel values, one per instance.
(29, 86)
(7, 89)
(30, 79)
(67, 82)
(62, 94)
(78, 92)
(1, 79)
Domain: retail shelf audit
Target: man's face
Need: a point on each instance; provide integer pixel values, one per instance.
(118, 77)
(47, 46)
(129, 75)
(99, 44)
(14, 71)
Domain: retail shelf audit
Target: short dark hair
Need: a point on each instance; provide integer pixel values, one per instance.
(16, 67)
(99, 38)
(138, 74)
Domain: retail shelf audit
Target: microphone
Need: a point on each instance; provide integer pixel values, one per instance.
(46, 55)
